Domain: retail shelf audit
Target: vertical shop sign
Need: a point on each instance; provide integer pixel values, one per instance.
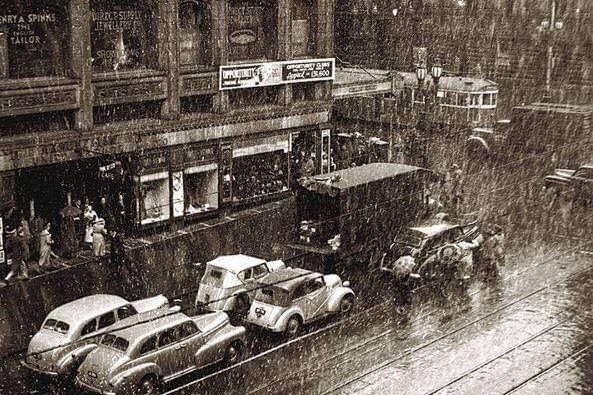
(2, 257)
(177, 186)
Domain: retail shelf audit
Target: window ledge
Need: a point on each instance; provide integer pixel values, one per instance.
(128, 74)
(37, 82)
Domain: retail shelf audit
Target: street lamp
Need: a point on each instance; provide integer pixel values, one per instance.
(421, 75)
(436, 72)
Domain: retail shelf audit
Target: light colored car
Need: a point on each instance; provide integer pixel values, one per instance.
(140, 358)
(229, 282)
(71, 331)
(579, 182)
(289, 298)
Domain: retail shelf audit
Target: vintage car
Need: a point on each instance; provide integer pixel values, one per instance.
(415, 251)
(229, 282)
(139, 357)
(579, 181)
(71, 331)
(289, 298)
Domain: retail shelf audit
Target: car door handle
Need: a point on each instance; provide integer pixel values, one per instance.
(180, 346)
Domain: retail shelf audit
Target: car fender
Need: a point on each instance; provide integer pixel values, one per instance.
(135, 373)
(280, 324)
(556, 180)
(73, 358)
(333, 303)
(229, 305)
(474, 141)
(213, 350)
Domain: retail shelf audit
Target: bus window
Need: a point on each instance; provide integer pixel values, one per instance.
(494, 99)
(487, 99)
(475, 100)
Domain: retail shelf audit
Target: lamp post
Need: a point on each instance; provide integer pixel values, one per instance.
(436, 72)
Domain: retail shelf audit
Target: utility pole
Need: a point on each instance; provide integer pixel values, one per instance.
(550, 62)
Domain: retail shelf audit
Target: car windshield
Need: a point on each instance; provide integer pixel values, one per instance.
(115, 342)
(274, 295)
(410, 237)
(214, 277)
(56, 326)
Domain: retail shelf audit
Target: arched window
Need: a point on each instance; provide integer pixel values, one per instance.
(303, 27)
(123, 35)
(252, 30)
(195, 37)
(33, 38)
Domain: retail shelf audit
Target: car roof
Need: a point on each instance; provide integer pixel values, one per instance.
(84, 309)
(431, 230)
(289, 278)
(146, 324)
(235, 263)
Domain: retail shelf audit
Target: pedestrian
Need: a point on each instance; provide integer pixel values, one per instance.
(307, 166)
(15, 252)
(90, 216)
(45, 251)
(117, 253)
(104, 211)
(120, 214)
(99, 232)
(455, 187)
(69, 239)
(26, 238)
(37, 225)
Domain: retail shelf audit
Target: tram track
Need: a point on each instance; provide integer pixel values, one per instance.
(378, 339)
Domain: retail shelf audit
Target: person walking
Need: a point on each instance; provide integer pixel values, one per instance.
(90, 216)
(99, 233)
(45, 251)
(37, 225)
(15, 254)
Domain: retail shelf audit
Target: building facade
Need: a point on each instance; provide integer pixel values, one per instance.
(173, 110)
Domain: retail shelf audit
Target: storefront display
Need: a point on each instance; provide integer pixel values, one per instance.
(33, 38)
(195, 25)
(154, 198)
(201, 188)
(122, 35)
(260, 168)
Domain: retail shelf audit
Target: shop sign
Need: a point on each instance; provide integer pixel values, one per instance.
(27, 29)
(276, 73)
(154, 162)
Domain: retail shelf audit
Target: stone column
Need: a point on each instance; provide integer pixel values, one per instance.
(80, 50)
(168, 45)
(325, 42)
(220, 48)
(283, 40)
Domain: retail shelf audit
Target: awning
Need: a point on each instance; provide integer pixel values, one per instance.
(201, 168)
(261, 145)
(155, 176)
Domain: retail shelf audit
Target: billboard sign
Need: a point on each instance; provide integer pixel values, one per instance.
(275, 73)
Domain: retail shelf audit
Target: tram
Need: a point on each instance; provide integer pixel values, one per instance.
(463, 102)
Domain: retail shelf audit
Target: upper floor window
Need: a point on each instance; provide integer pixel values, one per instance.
(34, 36)
(122, 35)
(195, 27)
(303, 28)
(252, 30)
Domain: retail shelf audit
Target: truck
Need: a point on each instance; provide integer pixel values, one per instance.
(562, 131)
(351, 216)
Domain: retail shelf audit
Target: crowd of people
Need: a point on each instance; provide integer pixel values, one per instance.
(29, 244)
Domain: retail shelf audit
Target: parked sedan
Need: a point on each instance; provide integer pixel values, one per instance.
(290, 298)
(229, 282)
(139, 358)
(70, 331)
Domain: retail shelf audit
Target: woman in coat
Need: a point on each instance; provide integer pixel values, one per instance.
(45, 252)
(90, 216)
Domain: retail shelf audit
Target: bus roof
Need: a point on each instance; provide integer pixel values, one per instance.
(453, 83)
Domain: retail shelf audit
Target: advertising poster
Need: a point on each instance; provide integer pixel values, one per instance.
(276, 73)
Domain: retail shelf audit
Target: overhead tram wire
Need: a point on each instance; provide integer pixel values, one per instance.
(16, 354)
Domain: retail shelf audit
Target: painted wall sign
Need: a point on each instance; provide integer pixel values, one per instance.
(275, 73)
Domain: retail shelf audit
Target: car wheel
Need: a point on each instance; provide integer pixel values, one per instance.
(293, 326)
(233, 353)
(346, 305)
(149, 385)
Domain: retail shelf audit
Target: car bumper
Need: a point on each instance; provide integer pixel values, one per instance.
(47, 373)
(93, 389)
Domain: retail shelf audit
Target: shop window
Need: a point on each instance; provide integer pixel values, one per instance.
(154, 197)
(34, 38)
(240, 98)
(201, 188)
(196, 104)
(122, 35)
(195, 27)
(259, 175)
(126, 112)
(303, 27)
(252, 30)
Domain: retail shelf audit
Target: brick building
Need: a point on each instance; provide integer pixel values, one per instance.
(122, 99)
